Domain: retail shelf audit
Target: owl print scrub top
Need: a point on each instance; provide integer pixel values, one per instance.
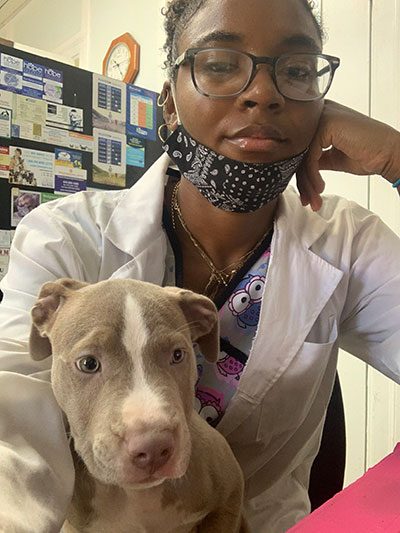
(239, 310)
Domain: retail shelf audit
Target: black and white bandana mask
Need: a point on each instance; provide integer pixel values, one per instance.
(228, 184)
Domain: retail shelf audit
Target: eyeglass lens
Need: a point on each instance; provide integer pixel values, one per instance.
(226, 72)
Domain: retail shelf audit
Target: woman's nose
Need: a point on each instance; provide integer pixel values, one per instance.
(262, 91)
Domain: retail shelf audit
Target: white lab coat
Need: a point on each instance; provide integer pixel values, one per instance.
(333, 279)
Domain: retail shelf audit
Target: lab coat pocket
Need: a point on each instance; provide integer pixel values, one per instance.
(291, 398)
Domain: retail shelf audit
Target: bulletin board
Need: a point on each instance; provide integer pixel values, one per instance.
(64, 130)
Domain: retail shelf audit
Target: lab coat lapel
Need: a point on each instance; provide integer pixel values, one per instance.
(135, 226)
(299, 284)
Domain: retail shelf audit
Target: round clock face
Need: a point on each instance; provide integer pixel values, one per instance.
(118, 62)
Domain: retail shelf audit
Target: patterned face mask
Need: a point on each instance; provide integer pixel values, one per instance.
(228, 184)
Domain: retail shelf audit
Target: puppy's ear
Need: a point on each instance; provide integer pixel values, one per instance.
(202, 317)
(50, 300)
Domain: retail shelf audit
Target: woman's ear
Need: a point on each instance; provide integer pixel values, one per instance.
(169, 109)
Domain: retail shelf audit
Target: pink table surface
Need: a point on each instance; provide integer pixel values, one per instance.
(369, 505)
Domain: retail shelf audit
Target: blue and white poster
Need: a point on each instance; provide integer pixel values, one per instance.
(11, 73)
(32, 79)
(53, 85)
(141, 112)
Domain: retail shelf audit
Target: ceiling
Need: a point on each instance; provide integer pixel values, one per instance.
(9, 8)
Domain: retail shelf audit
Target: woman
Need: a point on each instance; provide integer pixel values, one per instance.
(226, 229)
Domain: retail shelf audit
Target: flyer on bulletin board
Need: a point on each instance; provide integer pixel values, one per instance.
(68, 158)
(109, 158)
(31, 167)
(53, 85)
(4, 162)
(109, 104)
(64, 117)
(141, 112)
(4, 261)
(32, 79)
(11, 70)
(69, 180)
(5, 122)
(22, 203)
(135, 151)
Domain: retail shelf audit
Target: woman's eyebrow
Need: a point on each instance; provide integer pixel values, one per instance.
(303, 40)
(217, 36)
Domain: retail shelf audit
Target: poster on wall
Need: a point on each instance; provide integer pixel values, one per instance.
(31, 167)
(4, 162)
(109, 158)
(135, 151)
(141, 112)
(22, 203)
(53, 85)
(32, 79)
(5, 122)
(6, 99)
(11, 69)
(69, 180)
(64, 117)
(68, 158)
(109, 104)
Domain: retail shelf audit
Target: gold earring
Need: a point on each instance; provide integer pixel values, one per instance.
(159, 132)
(159, 104)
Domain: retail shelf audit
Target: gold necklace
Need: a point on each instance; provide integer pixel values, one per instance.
(217, 277)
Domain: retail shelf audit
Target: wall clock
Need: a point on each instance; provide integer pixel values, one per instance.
(121, 61)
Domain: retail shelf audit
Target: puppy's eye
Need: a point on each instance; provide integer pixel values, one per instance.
(177, 357)
(88, 364)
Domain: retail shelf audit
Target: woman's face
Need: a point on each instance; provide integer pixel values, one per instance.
(259, 125)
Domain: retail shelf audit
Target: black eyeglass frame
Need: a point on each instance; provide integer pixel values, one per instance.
(190, 54)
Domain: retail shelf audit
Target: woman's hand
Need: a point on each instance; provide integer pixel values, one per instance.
(347, 141)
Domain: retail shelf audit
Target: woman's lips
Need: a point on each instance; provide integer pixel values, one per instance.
(257, 144)
(258, 139)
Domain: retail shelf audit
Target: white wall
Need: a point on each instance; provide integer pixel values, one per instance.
(44, 24)
(47, 25)
(142, 18)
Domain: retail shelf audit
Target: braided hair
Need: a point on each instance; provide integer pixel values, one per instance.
(178, 13)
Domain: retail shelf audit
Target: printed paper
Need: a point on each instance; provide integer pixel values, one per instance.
(109, 104)
(4, 261)
(64, 117)
(22, 203)
(5, 122)
(135, 152)
(5, 238)
(31, 167)
(109, 158)
(28, 109)
(32, 79)
(66, 158)
(53, 85)
(4, 162)
(6, 99)
(141, 112)
(11, 73)
(69, 180)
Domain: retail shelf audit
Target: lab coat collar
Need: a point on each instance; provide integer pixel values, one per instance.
(136, 221)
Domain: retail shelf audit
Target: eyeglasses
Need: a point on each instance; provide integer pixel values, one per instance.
(224, 72)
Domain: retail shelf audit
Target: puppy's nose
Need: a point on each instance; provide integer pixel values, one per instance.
(151, 452)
